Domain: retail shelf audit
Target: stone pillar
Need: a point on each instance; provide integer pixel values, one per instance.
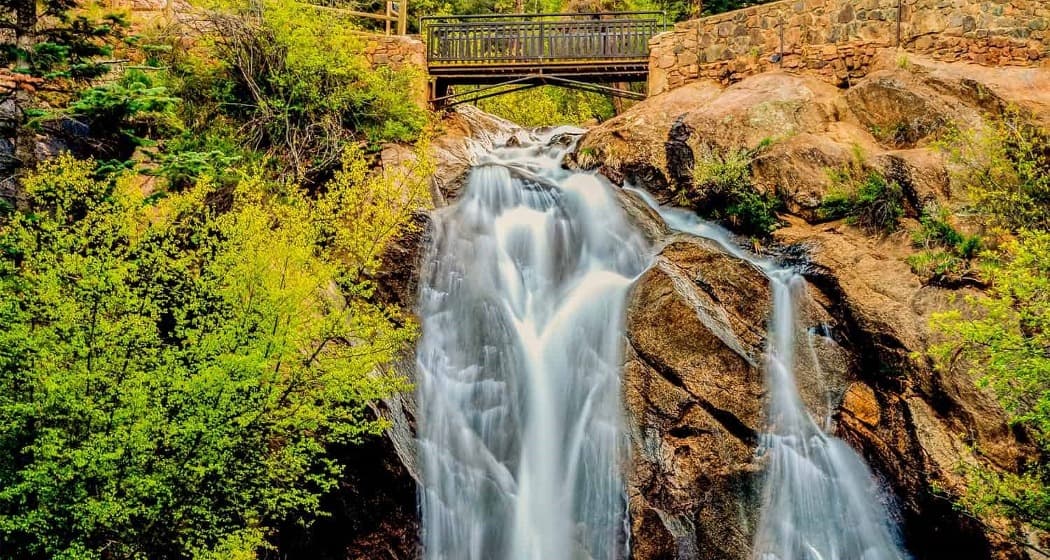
(402, 53)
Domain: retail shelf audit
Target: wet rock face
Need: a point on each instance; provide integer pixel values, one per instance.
(693, 395)
(694, 390)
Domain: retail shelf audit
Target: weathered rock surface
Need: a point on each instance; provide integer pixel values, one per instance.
(693, 382)
(694, 397)
(890, 118)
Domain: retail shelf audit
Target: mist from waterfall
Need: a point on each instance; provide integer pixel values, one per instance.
(521, 437)
(819, 499)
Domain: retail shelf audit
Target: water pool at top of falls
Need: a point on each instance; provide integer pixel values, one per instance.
(521, 432)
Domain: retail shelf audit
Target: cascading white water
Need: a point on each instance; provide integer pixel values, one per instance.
(819, 499)
(522, 302)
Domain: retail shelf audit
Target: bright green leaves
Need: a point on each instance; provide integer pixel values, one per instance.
(1005, 169)
(1003, 338)
(722, 189)
(1008, 346)
(171, 374)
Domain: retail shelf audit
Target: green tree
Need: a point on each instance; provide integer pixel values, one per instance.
(293, 82)
(170, 374)
(1004, 168)
(53, 39)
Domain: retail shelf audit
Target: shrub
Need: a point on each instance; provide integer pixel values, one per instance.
(871, 202)
(722, 190)
(1005, 171)
(170, 376)
(934, 230)
(183, 169)
(969, 247)
(301, 89)
(1005, 348)
(65, 41)
(945, 251)
(932, 263)
(128, 112)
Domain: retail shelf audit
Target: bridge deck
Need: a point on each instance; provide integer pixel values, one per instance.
(568, 49)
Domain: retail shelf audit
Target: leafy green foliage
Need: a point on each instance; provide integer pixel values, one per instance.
(1005, 171)
(935, 229)
(867, 200)
(294, 83)
(722, 190)
(549, 106)
(60, 41)
(170, 375)
(133, 108)
(945, 252)
(1006, 345)
(183, 168)
(931, 264)
(1004, 338)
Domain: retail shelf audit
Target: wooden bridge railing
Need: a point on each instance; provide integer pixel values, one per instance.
(531, 38)
(395, 16)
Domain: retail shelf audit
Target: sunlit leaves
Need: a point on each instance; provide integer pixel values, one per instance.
(171, 373)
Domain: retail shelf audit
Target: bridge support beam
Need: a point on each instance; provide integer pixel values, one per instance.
(444, 96)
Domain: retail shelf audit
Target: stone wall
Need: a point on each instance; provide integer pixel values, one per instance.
(401, 52)
(837, 39)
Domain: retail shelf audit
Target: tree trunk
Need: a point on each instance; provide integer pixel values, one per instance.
(25, 30)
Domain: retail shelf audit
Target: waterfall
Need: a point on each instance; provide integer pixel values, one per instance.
(819, 499)
(521, 436)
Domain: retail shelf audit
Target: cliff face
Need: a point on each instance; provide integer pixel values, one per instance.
(693, 385)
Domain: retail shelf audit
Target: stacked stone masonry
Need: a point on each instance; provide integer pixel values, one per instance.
(396, 51)
(837, 39)
(401, 53)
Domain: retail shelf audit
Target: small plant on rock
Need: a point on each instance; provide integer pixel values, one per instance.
(870, 200)
(945, 252)
(723, 190)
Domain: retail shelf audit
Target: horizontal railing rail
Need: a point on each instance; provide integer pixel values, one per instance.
(502, 39)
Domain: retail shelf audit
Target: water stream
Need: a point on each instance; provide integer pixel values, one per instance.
(521, 437)
(819, 499)
(520, 418)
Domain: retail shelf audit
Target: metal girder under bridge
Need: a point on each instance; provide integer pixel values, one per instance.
(502, 53)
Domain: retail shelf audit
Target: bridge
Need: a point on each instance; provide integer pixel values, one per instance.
(500, 53)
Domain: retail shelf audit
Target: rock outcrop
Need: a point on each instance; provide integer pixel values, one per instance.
(693, 382)
(695, 343)
(888, 120)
